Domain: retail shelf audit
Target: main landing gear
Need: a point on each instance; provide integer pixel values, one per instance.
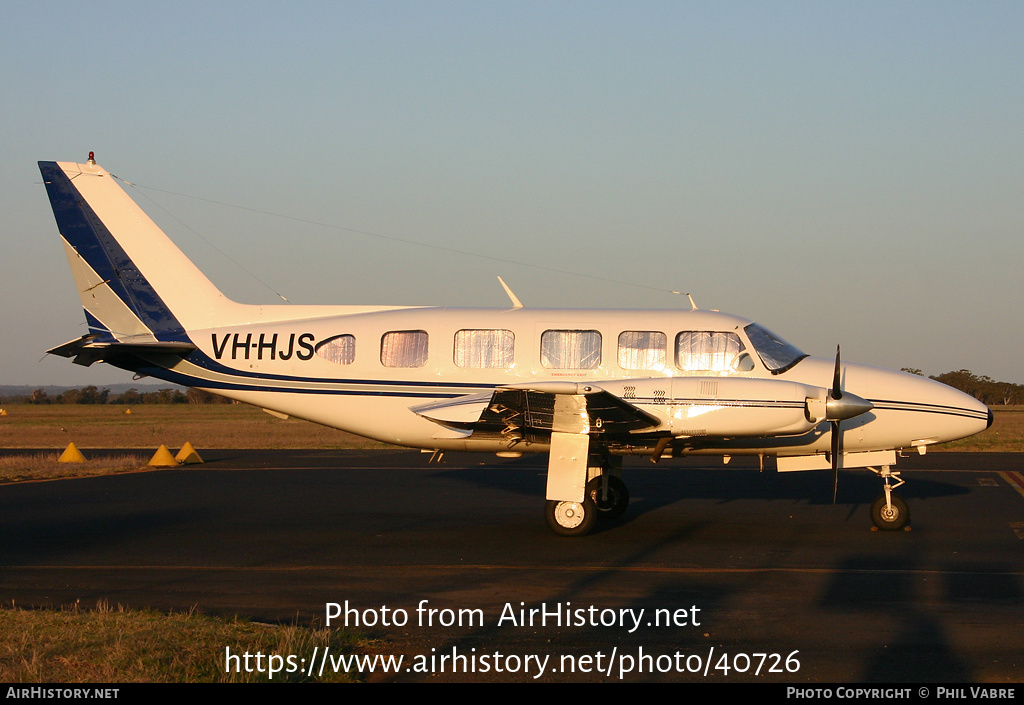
(605, 499)
(889, 512)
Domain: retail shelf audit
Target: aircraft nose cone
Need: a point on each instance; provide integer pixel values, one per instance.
(962, 415)
(846, 407)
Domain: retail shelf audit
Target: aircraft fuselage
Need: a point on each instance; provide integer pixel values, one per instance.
(290, 367)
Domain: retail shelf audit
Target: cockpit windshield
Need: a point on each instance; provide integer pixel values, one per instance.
(776, 354)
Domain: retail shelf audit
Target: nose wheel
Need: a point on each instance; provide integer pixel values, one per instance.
(889, 512)
(891, 515)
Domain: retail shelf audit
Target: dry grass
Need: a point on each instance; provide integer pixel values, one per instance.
(46, 466)
(150, 425)
(117, 645)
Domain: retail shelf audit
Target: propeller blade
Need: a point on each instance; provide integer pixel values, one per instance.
(836, 394)
(835, 459)
(837, 390)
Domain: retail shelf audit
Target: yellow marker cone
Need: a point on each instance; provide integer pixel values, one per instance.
(188, 455)
(127, 411)
(71, 454)
(3, 412)
(163, 459)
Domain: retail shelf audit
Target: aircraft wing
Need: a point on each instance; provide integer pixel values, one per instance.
(533, 411)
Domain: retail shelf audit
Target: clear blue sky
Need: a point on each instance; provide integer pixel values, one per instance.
(844, 173)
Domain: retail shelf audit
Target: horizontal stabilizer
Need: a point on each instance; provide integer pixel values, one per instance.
(86, 351)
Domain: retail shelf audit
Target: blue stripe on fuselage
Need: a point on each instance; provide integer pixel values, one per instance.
(367, 388)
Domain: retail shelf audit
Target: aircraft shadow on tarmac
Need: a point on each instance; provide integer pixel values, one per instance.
(654, 486)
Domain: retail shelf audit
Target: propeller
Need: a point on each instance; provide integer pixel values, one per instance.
(836, 395)
(839, 407)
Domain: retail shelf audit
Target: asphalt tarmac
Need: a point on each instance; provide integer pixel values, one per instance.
(716, 573)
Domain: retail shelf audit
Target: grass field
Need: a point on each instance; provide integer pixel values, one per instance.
(150, 425)
(107, 644)
(140, 433)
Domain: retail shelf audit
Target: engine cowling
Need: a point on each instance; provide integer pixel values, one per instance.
(735, 407)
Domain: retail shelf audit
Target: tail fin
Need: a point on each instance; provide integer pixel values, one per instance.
(135, 285)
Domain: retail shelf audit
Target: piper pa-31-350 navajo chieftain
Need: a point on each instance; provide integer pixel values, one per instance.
(586, 386)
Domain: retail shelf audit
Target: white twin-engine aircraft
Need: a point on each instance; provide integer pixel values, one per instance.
(586, 386)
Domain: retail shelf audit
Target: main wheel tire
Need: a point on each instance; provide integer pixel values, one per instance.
(571, 518)
(889, 518)
(614, 505)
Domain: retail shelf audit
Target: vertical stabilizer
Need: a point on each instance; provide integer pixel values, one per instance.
(135, 284)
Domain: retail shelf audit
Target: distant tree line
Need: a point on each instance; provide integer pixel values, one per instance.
(93, 395)
(983, 388)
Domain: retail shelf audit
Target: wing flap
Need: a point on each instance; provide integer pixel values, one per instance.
(461, 412)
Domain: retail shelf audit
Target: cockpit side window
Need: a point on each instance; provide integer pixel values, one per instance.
(776, 354)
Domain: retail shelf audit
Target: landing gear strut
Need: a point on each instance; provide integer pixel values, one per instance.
(889, 512)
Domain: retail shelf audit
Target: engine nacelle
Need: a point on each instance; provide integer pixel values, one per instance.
(726, 406)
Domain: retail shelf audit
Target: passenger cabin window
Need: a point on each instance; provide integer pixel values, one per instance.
(404, 348)
(341, 349)
(570, 349)
(484, 348)
(642, 350)
(710, 351)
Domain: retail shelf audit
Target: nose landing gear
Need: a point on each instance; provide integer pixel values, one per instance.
(889, 512)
